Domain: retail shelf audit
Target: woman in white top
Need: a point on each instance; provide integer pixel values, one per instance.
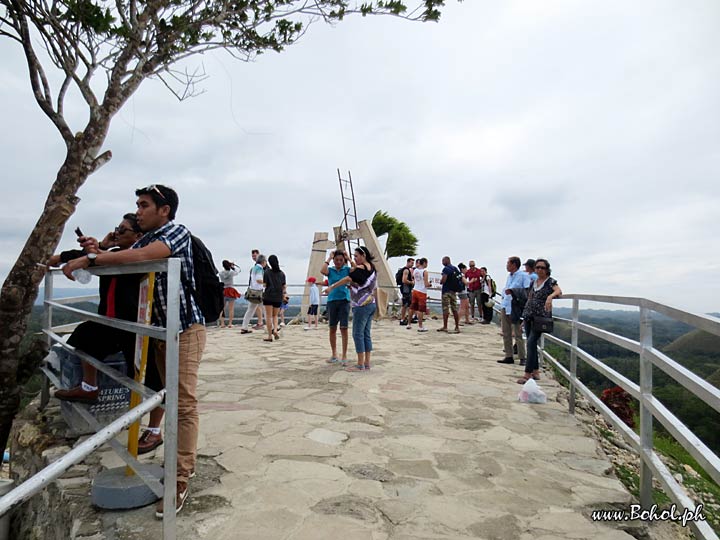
(227, 275)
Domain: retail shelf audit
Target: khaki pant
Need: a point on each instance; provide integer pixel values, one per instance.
(508, 329)
(192, 344)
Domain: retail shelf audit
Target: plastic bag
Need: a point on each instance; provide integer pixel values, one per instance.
(531, 393)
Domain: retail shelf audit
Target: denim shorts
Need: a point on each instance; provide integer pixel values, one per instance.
(338, 311)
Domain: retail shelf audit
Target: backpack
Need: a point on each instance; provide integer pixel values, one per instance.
(208, 290)
(398, 277)
(454, 281)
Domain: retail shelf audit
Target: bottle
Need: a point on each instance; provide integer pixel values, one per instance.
(82, 276)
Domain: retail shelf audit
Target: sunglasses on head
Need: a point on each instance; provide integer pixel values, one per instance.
(153, 187)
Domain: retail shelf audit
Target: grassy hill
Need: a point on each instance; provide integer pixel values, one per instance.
(696, 342)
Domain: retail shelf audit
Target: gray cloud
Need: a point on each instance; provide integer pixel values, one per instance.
(584, 133)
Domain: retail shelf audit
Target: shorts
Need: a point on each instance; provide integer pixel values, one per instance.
(419, 301)
(338, 311)
(406, 299)
(272, 303)
(463, 295)
(313, 309)
(449, 302)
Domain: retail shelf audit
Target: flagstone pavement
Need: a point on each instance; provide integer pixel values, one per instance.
(432, 443)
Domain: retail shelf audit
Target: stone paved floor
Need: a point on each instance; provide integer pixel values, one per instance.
(431, 443)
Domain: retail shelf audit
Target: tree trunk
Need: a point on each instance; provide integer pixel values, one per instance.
(21, 286)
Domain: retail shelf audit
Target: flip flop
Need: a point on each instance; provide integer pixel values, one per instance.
(454, 331)
(267, 339)
(355, 368)
(331, 360)
(442, 330)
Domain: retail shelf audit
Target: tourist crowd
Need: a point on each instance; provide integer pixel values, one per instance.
(467, 293)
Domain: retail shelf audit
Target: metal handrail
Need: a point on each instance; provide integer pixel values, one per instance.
(650, 407)
(105, 435)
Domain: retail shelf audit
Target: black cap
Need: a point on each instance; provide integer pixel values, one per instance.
(530, 263)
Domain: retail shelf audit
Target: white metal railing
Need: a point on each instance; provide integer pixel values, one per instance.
(650, 407)
(106, 434)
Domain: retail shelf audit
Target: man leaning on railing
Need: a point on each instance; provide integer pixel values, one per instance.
(156, 208)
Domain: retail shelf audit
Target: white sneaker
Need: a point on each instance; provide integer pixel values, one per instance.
(306, 328)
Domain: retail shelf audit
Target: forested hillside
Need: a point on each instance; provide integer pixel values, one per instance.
(696, 350)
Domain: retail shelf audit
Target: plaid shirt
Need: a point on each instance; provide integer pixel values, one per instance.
(177, 239)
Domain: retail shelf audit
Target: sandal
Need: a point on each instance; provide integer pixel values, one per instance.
(244, 331)
(267, 339)
(356, 367)
(277, 336)
(523, 380)
(442, 330)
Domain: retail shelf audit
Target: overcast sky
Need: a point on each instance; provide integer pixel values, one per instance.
(586, 133)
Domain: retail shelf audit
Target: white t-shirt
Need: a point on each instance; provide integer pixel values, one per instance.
(226, 276)
(486, 287)
(256, 274)
(314, 295)
(418, 276)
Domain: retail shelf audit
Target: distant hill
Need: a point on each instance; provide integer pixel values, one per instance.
(696, 342)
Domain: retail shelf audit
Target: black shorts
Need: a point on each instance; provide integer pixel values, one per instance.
(313, 309)
(406, 298)
(271, 303)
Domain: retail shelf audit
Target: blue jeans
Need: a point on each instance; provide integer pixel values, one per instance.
(362, 321)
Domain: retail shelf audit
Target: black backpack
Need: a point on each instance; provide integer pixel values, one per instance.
(208, 290)
(398, 276)
(454, 281)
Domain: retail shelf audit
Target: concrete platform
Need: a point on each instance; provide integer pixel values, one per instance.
(431, 443)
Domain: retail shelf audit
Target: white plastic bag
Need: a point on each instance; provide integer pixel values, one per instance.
(531, 393)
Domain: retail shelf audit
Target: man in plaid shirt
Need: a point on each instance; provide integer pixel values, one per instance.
(156, 208)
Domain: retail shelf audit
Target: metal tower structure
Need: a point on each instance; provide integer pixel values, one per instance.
(349, 220)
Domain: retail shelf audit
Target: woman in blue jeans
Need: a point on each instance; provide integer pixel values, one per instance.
(539, 304)
(363, 283)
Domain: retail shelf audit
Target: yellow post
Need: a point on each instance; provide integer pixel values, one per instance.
(147, 286)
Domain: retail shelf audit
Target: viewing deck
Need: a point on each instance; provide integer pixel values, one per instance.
(430, 444)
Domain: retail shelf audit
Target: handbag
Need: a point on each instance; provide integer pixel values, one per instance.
(490, 303)
(543, 324)
(254, 296)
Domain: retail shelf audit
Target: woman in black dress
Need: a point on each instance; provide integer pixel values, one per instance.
(275, 290)
(539, 304)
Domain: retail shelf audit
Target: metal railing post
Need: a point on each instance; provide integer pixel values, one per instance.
(573, 353)
(646, 419)
(47, 325)
(172, 349)
(541, 357)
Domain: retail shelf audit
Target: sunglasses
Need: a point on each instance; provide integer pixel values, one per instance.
(154, 188)
(541, 268)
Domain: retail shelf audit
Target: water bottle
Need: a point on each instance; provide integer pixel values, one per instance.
(82, 276)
